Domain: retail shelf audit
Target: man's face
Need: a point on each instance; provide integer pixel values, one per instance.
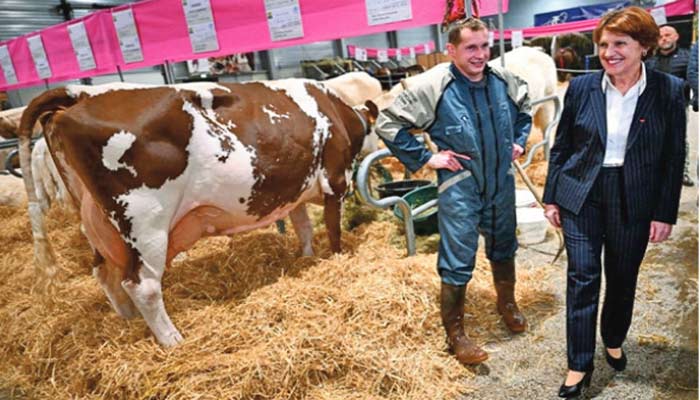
(472, 53)
(668, 38)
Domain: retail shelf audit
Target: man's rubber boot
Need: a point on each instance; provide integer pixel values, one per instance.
(452, 313)
(504, 281)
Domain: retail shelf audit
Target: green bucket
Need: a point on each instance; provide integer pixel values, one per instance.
(425, 223)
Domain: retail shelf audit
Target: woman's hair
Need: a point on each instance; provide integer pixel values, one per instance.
(632, 21)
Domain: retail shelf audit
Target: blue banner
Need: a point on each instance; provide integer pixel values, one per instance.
(578, 13)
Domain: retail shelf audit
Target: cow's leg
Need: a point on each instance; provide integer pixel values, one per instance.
(110, 277)
(303, 228)
(331, 216)
(147, 295)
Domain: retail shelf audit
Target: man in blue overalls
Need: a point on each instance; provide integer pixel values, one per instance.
(479, 117)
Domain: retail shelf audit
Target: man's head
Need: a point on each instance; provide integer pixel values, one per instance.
(468, 45)
(668, 38)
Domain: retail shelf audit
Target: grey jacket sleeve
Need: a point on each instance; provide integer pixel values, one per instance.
(413, 108)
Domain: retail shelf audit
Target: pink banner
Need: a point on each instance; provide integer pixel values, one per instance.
(241, 27)
(490, 7)
(678, 7)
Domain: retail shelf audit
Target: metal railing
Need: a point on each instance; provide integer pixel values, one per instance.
(546, 133)
(366, 195)
(9, 144)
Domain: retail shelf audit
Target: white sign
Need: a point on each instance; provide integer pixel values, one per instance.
(284, 19)
(382, 56)
(128, 35)
(41, 62)
(200, 25)
(398, 55)
(387, 11)
(516, 39)
(412, 52)
(81, 46)
(360, 54)
(198, 66)
(659, 15)
(491, 38)
(7, 68)
(426, 49)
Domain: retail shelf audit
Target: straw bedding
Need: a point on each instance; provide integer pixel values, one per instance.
(259, 321)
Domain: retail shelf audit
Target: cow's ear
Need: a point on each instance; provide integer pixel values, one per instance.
(373, 111)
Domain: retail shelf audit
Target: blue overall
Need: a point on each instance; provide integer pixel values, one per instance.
(481, 121)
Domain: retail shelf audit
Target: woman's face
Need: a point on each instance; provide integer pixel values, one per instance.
(619, 54)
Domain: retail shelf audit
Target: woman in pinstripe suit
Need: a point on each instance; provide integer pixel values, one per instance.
(614, 182)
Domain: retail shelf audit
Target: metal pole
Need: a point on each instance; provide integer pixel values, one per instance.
(501, 40)
(168, 73)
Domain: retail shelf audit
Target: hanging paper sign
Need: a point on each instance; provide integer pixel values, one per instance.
(516, 39)
(387, 11)
(284, 19)
(41, 62)
(426, 49)
(491, 39)
(412, 52)
(128, 35)
(659, 15)
(360, 54)
(6, 63)
(382, 55)
(398, 55)
(81, 46)
(200, 25)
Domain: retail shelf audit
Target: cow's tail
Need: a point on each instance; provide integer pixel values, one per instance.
(44, 257)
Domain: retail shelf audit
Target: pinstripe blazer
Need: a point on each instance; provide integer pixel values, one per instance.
(654, 155)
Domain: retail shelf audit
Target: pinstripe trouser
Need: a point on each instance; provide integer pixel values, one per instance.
(601, 223)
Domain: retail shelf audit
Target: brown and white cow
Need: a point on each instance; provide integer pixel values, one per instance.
(164, 166)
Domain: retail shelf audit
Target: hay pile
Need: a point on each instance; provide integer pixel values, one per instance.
(258, 320)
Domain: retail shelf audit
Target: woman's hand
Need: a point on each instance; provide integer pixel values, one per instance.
(517, 151)
(659, 231)
(447, 159)
(551, 212)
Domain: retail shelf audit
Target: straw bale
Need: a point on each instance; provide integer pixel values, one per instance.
(259, 321)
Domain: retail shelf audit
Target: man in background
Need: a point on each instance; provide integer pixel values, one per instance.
(673, 60)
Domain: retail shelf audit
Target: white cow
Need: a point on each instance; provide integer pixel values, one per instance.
(537, 68)
(355, 88)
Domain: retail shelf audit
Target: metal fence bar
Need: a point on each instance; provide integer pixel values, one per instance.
(364, 190)
(546, 134)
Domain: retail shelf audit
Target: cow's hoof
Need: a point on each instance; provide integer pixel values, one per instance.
(171, 339)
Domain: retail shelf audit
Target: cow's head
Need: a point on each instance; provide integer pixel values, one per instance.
(368, 115)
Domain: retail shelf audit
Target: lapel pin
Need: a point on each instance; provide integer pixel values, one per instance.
(641, 120)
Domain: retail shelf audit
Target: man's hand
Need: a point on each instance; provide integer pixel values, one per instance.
(447, 159)
(517, 151)
(659, 231)
(551, 212)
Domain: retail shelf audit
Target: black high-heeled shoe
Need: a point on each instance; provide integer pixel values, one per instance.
(574, 391)
(619, 364)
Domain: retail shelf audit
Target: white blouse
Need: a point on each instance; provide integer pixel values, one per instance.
(619, 113)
